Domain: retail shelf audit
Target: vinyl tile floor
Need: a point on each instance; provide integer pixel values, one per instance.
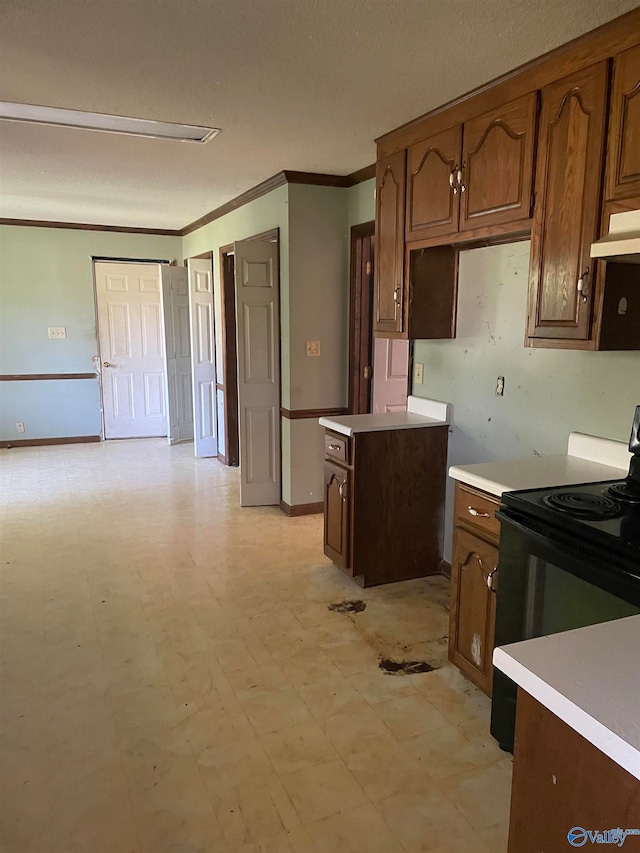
(175, 678)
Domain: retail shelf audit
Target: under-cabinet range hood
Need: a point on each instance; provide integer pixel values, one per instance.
(622, 243)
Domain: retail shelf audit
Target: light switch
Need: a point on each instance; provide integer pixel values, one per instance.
(313, 348)
(57, 331)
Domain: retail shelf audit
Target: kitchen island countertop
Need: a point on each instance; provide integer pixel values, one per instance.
(590, 679)
(420, 413)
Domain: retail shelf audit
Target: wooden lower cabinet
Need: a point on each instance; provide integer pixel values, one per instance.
(561, 781)
(384, 507)
(474, 579)
(337, 513)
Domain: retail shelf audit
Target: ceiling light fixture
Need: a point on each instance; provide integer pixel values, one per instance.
(107, 123)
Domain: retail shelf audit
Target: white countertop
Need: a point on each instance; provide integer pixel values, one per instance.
(590, 679)
(421, 412)
(588, 459)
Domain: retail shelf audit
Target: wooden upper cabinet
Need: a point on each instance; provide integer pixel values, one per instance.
(623, 157)
(497, 165)
(389, 265)
(432, 192)
(568, 188)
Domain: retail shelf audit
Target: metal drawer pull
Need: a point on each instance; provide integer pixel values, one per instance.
(451, 181)
(489, 578)
(476, 513)
(334, 447)
(342, 490)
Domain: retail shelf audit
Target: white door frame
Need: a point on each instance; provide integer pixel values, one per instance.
(97, 359)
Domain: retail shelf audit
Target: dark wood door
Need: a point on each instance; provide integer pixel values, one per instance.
(389, 266)
(497, 165)
(623, 157)
(432, 190)
(337, 514)
(568, 189)
(473, 603)
(361, 318)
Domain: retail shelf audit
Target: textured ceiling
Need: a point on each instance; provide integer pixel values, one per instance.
(294, 84)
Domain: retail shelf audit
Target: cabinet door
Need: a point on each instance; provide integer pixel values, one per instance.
(568, 186)
(337, 514)
(623, 157)
(432, 191)
(497, 165)
(473, 603)
(389, 265)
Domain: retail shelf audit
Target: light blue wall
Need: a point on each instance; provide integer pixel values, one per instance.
(46, 279)
(361, 202)
(548, 392)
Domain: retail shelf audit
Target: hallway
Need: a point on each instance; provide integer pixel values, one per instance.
(173, 679)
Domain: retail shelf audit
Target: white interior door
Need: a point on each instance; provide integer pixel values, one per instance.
(175, 304)
(257, 321)
(131, 349)
(203, 356)
(390, 375)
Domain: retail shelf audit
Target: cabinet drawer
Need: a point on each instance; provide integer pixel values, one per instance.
(476, 510)
(337, 447)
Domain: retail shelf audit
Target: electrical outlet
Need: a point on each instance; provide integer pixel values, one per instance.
(19, 427)
(418, 373)
(57, 331)
(500, 386)
(313, 348)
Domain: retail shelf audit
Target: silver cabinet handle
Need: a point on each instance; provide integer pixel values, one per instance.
(342, 490)
(334, 447)
(490, 579)
(583, 286)
(476, 513)
(396, 299)
(459, 176)
(452, 183)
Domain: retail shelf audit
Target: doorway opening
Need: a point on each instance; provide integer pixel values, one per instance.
(229, 449)
(235, 332)
(378, 367)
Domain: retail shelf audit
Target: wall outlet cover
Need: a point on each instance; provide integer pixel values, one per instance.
(19, 426)
(313, 348)
(57, 331)
(418, 373)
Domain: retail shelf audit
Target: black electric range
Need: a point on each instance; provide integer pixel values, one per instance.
(604, 516)
(569, 557)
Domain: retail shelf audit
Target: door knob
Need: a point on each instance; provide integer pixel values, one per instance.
(107, 364)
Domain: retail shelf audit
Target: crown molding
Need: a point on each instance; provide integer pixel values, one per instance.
(86, 226)
(287, 176)
(317, 179)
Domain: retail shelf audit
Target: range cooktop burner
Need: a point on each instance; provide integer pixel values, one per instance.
(623, 491)
(583, 505)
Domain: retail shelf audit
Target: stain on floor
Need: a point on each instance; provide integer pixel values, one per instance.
(404, 667)
(348, 606)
